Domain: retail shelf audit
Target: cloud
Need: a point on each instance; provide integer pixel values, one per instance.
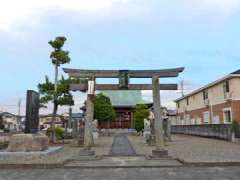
(30, 12)
(15, 13)
(225, 5)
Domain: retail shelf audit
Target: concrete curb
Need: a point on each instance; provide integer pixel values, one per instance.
(207, 164)
(63, 165)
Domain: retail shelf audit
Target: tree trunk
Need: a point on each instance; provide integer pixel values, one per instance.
(56, 78)
(52, 134)
(55, 106)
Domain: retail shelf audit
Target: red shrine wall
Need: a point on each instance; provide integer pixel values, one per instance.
(123, 120)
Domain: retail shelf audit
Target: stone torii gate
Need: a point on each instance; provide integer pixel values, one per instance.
(124, 76)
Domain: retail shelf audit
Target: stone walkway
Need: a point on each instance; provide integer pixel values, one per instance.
(121, 146)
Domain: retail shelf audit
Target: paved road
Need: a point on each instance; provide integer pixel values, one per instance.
(183, 173)
(121, 146)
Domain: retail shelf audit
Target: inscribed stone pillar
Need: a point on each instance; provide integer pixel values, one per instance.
(169, 130)
(158, 121)
(88, 138)
(32, 112)
(70, 119)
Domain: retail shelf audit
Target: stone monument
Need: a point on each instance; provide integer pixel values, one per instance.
(75, 128)
(95, 130)
(146, 130)
(32, 140)
(32, 112)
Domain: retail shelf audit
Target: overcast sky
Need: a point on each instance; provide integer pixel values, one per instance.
(201, 35)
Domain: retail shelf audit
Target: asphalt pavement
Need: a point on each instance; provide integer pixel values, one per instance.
(178, 173)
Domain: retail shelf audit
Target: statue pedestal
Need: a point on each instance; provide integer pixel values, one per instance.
(151, 140)
(146, 134)
(95, 134)
(160, 153)
(87, 152)
(28, 143)
(78, 141)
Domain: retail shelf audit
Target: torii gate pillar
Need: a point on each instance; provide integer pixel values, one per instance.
(88, 137)
(158, 120)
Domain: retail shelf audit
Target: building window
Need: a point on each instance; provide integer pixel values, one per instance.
(187, 119)
(227, 115)
(226, 88)
(187, 101)
(205, 95)
(206, 117)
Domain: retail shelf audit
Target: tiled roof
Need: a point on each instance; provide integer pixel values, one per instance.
(6, 113)
(236, 72)
(125, 98)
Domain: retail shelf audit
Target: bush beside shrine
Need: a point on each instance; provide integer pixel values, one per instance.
(103, 109)
(59, 132)
(141, 113)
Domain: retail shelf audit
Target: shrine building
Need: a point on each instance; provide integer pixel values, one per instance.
(124, 103)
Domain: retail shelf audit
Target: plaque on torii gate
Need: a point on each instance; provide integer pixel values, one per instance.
(124, 76)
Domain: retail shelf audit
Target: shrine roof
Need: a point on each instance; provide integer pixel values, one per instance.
(123, 98)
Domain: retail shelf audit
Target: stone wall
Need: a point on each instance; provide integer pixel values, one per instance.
(219, 131)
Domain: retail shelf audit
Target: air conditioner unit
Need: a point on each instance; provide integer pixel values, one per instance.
(228, 96)
(206, 102)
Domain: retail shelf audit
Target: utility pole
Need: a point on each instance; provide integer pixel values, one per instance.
(19, 107)
(182, 87)
(19, 114)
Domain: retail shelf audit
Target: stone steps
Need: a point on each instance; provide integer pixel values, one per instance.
(123, 162)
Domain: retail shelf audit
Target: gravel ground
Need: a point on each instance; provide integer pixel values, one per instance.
(189, 148)
(194, 149)
(103, 145)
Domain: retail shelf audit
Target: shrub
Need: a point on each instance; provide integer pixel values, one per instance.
(59, 132)
(235, 127)
(140, 114)
(103, 109)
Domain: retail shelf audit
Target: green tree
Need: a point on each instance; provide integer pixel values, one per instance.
(57, 92)
(141, 113)
(58, 57)
(62, 97)
(103, 109)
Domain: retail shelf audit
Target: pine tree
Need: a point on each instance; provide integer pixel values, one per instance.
(58, 92)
